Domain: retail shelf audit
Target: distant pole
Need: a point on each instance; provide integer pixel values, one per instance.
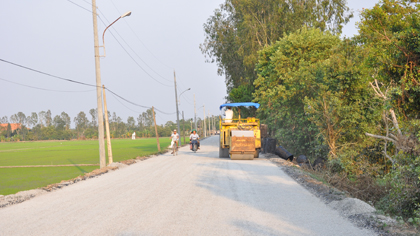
(183, 126)
(195, 114)
(209, 127)
(177, 112)
(204, 121)
(102, 158)
(157, 135)
(108, 136)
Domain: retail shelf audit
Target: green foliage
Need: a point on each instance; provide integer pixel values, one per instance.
(404, 192)
(240, 28)
(313, 92)
(59, 127)
(391, 33)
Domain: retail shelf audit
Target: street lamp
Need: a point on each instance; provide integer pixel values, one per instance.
(102, 159)
(183, 122)
(179, 100)
(103, 35)
(204, 120)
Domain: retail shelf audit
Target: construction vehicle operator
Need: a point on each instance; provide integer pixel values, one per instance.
(228, 115)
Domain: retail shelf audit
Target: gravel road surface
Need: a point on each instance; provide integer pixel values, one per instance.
(190, 194)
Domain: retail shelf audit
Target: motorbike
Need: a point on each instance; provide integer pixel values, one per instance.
(194, 144)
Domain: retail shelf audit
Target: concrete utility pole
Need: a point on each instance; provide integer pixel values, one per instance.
(209, 127)
(183, 126)
(177, 112)
(108, 136)
(195, 115)
(102, 159)
(204, 127)
(157, 135)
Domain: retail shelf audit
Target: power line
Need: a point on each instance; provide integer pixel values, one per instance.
(124, 48)
(54, 76)
(81, 6)
(130, 54)
(124, 105)
(136, 53)
(139, 38)
(77, 82)
(51, 90)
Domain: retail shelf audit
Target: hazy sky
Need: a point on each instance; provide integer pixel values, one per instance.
(56, 37)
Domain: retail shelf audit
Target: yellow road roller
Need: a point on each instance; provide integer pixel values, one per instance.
(240, 139)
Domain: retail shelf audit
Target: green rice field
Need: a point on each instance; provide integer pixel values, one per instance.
(13, 180)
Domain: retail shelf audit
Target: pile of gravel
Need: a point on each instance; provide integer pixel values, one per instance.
(352, 206)
(20, 197)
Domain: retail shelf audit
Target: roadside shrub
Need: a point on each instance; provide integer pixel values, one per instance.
(404, 194)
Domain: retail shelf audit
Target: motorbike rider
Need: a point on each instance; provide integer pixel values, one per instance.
(194, 138)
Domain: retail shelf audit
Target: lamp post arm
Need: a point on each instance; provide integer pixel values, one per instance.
(103, 35)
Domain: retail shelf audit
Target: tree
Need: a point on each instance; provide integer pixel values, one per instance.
(81, 122)
(58, 123)
(14, 118)
(21, 118)
(32, 120)
(131, 124)
(67, 120)
(9, 131)
(140, 122)
(4, 120)
(48, 118)
(313, 94)
(240, 28)
(391, 31)
(41, 117)
(93, 112)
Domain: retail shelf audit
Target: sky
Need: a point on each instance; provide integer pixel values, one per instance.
(142, 53)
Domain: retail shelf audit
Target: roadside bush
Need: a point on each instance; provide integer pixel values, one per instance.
(365, 186)
(403, 196)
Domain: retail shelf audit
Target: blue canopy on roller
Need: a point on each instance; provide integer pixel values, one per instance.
(241, 104)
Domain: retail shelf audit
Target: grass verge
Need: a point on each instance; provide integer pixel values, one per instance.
(13, 180)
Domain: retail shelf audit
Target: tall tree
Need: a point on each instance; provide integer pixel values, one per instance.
(93, 113)
(21, 118)
(48, 118)
(131, 123)
(240, 28)
(81, 122)
(391, 31)
(66, 118)
(4, 120)
(41, 118)
(313, 92)
(58, 123)
(14, 118)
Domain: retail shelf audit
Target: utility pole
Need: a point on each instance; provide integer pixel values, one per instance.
(157, 135)
(177, 112)
(183, 126)
(108, 136)
(195, 114)
(204, 121)
(209, 127)
(102, 159)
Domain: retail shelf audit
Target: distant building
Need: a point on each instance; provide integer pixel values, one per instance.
(14, 126)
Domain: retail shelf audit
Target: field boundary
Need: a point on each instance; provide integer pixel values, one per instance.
(71, 165)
